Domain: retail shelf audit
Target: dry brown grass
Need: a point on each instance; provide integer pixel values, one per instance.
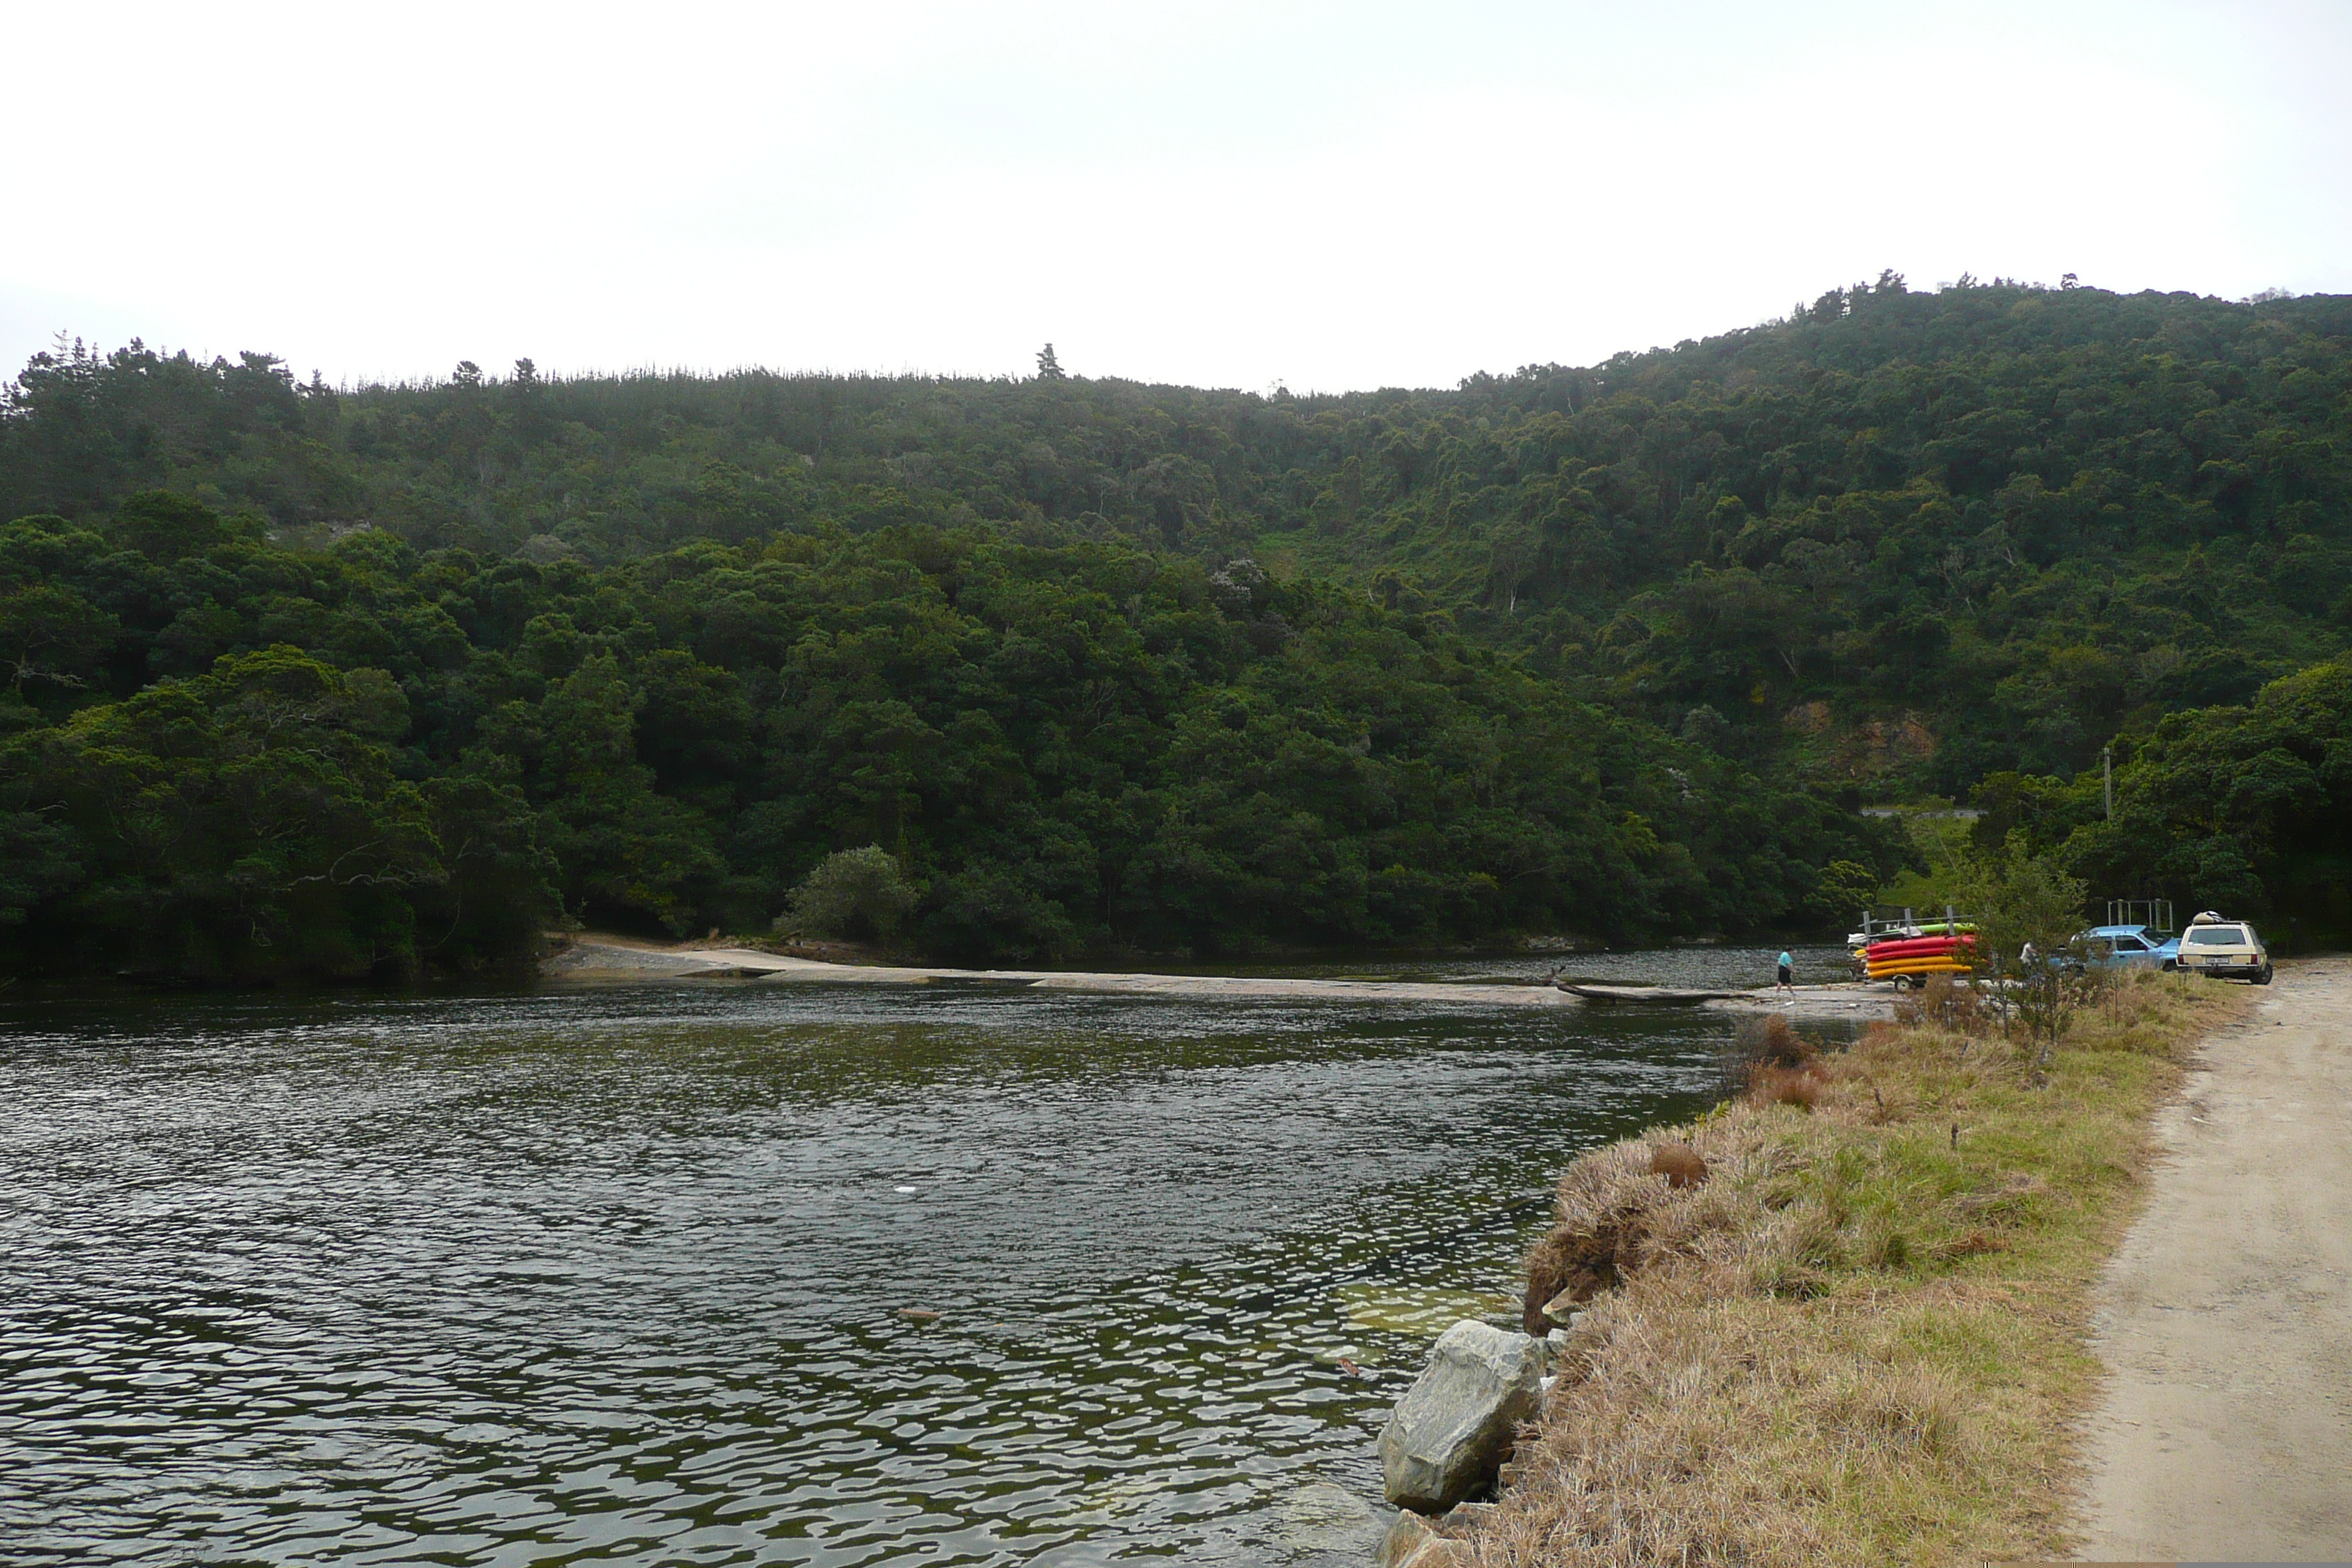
(1774, 1041)
(1783, 1067)
(1682, 1165)
(1861, 1339)
(1801, 1087)
(1945, 1003)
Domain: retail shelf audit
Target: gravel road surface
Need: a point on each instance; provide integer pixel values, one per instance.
(2225, 1432)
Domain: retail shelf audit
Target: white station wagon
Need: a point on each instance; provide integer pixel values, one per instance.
(2226, 949)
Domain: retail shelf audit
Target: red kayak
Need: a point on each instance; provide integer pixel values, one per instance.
(1917, 947)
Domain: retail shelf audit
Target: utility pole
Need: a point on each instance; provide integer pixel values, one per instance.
(2107, 767)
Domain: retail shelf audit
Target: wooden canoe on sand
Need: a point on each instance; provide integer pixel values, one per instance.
(1641, 996)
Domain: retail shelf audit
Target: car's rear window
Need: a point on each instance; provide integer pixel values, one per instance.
(2218, 936)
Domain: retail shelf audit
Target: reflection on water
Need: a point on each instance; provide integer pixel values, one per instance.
(619, 1276)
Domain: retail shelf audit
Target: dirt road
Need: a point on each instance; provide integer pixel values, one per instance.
(2225, 1322)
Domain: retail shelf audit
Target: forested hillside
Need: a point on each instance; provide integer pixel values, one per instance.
(363, 756)
(351, 680)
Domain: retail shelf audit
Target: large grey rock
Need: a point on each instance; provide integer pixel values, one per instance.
(1452, 1429)
(1465, 1516)
(1406, 1537)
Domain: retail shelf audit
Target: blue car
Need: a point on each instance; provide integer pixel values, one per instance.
(2130, 947)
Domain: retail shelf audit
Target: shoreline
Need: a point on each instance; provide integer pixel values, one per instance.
(1865, 1334)
(600, 961)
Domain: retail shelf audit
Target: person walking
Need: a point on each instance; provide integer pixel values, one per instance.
(1787, 973)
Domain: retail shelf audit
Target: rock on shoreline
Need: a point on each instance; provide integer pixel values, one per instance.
(1450, 1434)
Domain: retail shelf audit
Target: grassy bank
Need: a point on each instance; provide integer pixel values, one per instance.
(1862, 1340)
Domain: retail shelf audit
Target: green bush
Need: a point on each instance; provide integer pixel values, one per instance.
(859, 895)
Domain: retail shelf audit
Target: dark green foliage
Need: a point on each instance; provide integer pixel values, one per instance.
(39, 858)
(1901, 540)
(1614, 650)
(1066, 744)
(236, 823)
(2245, 809)
(856, 893)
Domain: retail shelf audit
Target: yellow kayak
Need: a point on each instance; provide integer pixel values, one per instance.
(1939, 964)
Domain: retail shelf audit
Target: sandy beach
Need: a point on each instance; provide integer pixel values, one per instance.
(608, 959)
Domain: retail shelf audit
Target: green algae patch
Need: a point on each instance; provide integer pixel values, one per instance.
(1419, 1309)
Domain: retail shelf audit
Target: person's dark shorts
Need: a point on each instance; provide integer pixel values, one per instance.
(1784, 974)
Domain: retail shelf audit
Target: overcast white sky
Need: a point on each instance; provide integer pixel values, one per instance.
(1327, 195)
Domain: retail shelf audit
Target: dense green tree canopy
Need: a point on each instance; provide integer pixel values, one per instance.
(2244, 808)
(1613, 650)
(364, 757)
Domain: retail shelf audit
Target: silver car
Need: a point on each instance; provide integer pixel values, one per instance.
(2228, 950)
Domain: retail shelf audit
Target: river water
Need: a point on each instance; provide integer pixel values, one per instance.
(621, 1275)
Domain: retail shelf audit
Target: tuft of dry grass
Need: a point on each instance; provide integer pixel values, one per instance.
(1801, 1087)
(1861, 1339)
(1945, 1003)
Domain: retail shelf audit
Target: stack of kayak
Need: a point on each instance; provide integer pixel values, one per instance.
(1915, 957)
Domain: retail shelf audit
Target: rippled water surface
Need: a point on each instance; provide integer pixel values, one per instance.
(618, 1275)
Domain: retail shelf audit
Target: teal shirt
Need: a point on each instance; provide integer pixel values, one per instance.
(1786, 961)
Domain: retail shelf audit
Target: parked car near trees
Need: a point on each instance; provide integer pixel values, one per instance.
(2228, 949)
(2129, 947)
